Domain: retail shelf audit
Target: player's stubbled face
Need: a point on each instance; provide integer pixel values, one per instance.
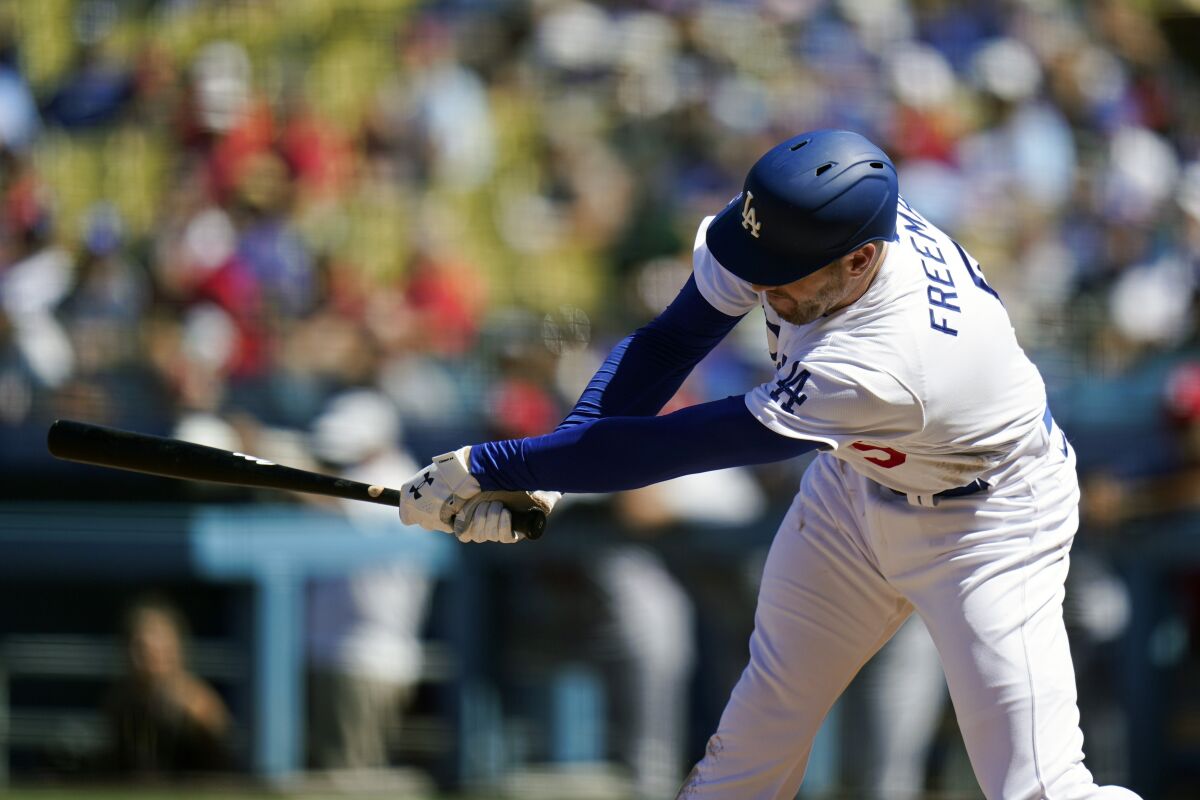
(811, 297)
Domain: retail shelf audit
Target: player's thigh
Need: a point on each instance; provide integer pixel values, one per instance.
(995, 613)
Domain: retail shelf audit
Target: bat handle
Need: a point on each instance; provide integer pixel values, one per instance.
(532, 523)
(529, 521)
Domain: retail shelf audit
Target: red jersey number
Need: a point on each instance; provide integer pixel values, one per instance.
(892, 458)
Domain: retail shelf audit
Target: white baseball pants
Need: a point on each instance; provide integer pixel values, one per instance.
(850, 562)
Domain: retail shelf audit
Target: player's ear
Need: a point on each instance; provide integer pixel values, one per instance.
(858, 261)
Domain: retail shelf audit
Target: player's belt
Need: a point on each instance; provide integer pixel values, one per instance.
(974, 487)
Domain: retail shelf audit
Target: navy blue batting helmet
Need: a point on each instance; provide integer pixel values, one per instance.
(808, 201)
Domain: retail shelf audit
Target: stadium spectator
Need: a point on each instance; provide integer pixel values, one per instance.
(164, 721)
(363, 632)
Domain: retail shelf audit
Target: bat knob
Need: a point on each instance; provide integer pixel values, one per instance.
(532, 523)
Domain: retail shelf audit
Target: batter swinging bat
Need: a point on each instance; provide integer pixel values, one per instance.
(173, 458)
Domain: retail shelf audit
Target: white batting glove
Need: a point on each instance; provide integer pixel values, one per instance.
(487, 516)
(434, 496)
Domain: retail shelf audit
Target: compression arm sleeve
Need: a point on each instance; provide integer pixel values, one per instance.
(646, 368)
(615, 453)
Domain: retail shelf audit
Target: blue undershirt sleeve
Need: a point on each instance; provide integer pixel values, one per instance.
(646, 368)
(616, 453)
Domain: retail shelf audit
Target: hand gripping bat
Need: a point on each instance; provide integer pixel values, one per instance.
(174, 458)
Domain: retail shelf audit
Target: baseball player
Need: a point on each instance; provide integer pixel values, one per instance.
(942, 485)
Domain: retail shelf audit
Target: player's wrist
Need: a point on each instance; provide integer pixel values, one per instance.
(454, 469)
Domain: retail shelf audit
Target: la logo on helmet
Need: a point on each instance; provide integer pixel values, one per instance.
(749, 219)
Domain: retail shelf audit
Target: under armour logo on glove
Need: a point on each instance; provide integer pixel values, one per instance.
(415, 489)
(433, 497)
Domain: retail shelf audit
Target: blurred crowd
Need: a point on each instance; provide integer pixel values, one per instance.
(226, 219)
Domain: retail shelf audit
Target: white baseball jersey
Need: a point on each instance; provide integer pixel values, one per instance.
(919, 385)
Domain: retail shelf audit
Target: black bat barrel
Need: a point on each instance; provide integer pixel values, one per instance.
(157, 455)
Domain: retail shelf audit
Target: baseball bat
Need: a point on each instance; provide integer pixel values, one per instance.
(174, 458)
